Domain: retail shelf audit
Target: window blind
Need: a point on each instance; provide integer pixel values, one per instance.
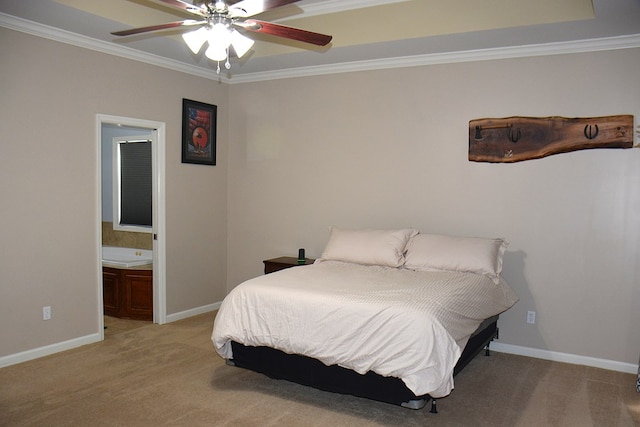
(136, 184)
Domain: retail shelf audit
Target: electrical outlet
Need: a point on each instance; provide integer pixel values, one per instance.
(531, 317)
(46, 312)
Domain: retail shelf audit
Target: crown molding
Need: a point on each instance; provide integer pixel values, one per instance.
(556, 48)
(63, 36)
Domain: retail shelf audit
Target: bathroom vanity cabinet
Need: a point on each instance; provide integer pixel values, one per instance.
(128, 293)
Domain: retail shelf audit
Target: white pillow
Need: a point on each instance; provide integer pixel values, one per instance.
(429, 252)
(367, 246)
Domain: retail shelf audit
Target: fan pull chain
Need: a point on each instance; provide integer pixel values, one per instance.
(227, 63)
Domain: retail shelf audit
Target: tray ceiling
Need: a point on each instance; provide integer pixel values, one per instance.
(362, 30)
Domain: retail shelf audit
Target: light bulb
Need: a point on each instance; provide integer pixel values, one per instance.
(216, 54)
(195, 39)
(241, 44)
(219, 36)
(219, 40)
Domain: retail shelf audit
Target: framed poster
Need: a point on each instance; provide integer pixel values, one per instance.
(198, 132)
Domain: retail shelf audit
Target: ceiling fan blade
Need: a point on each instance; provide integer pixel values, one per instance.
(284, 31)
(187, 7)
(186, 23)
(246, 8)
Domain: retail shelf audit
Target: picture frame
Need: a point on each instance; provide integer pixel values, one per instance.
(199, 121)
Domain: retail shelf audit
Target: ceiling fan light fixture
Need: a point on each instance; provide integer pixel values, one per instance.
(195, 39)
(241, 44)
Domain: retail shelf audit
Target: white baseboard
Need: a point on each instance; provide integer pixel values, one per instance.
(25, 356)
(193, 312)
(555, 356)
(13, 359)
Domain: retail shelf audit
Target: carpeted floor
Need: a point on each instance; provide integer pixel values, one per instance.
(114, 325)
(169, 375)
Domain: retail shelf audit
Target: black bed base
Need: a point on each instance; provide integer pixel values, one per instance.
(311, 372)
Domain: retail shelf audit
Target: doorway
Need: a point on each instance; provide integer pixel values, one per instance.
(116, 125)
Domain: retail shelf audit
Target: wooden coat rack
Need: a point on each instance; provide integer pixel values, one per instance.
(514, 139)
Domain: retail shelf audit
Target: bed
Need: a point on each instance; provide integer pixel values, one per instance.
(391, 315)
(638, 380)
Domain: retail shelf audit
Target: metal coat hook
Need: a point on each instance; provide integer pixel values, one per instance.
(478, 132)
(479, 129)
(590, 134)
(516, 137)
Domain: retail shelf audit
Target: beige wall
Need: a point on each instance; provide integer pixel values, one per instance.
(389, 149)
(370, 149)
(50, 95)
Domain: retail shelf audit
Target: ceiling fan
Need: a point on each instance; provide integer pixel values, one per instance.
(217, 22)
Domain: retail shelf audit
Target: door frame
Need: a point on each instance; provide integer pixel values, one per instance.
(159, 211)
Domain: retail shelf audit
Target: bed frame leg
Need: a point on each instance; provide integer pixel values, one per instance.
(487, 351)
(433, 407)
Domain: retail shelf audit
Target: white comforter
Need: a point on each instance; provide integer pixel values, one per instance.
(395, 322)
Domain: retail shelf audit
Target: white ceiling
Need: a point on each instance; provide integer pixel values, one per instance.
(364, 31)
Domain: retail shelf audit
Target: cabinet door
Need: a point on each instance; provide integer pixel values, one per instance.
(110, 293)
(138, 295)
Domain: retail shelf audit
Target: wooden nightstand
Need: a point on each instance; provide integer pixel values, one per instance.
(276, 264)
